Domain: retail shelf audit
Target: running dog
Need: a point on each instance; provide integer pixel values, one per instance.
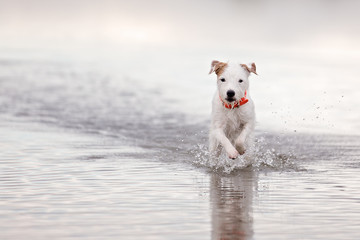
(233, 111)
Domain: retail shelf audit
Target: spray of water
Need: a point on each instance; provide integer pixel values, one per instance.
(260, 156)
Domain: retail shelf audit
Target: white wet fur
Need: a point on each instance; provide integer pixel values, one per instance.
(231, 129)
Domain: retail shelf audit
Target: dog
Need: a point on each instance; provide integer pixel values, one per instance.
(233, 111)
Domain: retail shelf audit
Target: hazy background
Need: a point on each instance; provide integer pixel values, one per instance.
(307, 52)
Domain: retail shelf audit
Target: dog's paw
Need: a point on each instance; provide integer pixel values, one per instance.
(242, 152)
(240, 147)
(233, 154)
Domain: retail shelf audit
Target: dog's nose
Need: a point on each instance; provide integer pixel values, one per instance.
(230, 93)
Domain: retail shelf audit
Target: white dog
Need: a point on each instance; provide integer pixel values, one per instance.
(233, 112)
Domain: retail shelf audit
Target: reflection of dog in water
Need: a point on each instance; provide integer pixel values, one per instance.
(233, 112)
(231, 199)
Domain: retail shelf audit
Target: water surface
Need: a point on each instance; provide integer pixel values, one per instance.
(90, 154)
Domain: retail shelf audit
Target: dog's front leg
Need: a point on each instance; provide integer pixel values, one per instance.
(214, 146)
(240, 141)
(225, 142)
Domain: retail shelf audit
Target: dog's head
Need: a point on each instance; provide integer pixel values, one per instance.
(232, 79)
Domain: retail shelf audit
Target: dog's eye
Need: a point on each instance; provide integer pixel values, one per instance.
(222, 79)
(240, 81)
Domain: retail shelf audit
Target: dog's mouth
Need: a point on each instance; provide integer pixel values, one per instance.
(230, 99)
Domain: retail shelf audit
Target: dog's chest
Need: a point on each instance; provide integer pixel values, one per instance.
(233, 122)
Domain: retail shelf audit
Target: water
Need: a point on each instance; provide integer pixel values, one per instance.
(87, 153)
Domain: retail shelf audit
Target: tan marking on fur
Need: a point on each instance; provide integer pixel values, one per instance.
(217, 67)
(252, 69)
(245, 66)
(213, 64)
(220, 68)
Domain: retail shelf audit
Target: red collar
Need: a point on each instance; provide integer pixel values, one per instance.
(237, 104)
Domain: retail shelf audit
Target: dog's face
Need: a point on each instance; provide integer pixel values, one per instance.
(232, 79)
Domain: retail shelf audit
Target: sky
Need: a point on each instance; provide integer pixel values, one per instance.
(327, 26)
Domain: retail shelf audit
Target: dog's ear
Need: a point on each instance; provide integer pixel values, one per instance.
(217, 67)
(251, 67)
(213, 65)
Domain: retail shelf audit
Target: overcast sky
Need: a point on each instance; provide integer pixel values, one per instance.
(328, 25)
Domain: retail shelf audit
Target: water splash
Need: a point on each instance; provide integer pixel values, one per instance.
(260, 156)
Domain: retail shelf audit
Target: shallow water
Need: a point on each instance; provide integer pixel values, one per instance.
(88, 154)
